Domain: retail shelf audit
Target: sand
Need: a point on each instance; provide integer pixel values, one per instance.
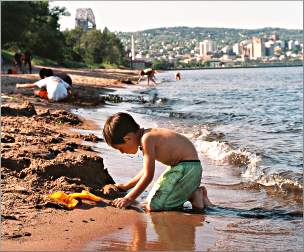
(41, 155)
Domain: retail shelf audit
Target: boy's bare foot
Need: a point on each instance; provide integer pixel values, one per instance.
(206, 201)
(199, 199)
(196, 199)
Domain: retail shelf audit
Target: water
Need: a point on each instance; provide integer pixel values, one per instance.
(247, 127)
(251, 118)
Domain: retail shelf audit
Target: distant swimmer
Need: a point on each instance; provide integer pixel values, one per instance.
(178, 76)
(150, 73)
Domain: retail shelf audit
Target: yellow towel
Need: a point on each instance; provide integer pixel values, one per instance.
(69, 199)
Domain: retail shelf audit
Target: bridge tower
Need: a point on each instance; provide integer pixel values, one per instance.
(85, 19)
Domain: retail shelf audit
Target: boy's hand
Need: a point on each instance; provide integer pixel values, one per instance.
(122, 202)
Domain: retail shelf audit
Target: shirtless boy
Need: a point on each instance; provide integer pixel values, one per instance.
(178, 184)
(148, 72)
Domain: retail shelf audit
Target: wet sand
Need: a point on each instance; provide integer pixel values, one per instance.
(42, 154)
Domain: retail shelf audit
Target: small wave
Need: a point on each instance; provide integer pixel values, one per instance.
(288, 182)
(223, 153)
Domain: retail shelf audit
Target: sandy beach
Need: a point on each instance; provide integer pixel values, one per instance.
(40, 155)
(43, 152)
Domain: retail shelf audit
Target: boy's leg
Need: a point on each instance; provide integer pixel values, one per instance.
(174, 186)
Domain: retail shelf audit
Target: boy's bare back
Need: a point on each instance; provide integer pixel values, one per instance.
(170, 147)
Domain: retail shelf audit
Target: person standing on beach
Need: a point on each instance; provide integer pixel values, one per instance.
(18, 61)
(150, 73)
(27, 60)
(178, 76)
(178, 184)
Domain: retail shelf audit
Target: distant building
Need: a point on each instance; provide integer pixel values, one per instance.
(275, 36)
(141, 64)
(208, 45)
(85, 19)
(245, 49)
(215, 63)
(290, 45)
(201, 48)
(258, 48)
(236, 48)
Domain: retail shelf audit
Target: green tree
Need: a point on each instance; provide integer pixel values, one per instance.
(72, 49)
(92, 45)
(15, 20)
(32, 25)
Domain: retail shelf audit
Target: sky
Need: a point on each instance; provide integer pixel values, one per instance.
(131, 16)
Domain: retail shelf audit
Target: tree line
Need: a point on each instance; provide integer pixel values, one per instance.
(32, 25)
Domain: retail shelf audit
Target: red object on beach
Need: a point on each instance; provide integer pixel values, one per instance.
(42, 94)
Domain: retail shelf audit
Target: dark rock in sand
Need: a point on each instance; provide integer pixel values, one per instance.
(92, 138)
(15, 164)
(62, 116)
(26, 109)
(7, 139)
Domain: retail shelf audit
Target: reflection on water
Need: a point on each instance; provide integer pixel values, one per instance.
(172, 231)
(159, 231)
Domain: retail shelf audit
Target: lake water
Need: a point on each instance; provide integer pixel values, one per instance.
(247, 125)
(252, 118)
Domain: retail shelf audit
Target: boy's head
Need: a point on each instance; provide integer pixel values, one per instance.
(45, 72)
(120, 131)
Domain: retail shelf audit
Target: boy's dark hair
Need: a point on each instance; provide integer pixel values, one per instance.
(45, 72)
(117, 127)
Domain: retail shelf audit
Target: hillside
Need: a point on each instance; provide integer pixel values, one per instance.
(191, 36)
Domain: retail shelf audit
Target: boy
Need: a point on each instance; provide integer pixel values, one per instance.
(150, 73)
(178, 184)
(50, 87)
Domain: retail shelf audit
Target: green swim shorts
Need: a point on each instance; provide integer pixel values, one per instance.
(175, 185)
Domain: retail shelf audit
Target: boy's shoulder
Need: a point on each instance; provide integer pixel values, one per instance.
(154, 133)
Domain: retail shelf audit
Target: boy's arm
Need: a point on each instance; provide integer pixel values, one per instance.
(132, 182)
(27, 85)
(146, 178)
(140, 78)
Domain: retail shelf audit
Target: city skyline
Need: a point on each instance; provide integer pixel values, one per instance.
(117, 15)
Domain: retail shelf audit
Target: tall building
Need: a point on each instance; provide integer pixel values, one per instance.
(275, 36)
(201, 48)
(290, 44)
(236, 48)
(208, 46)
(258, 48)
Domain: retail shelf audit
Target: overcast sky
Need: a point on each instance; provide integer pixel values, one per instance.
(130, 16)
